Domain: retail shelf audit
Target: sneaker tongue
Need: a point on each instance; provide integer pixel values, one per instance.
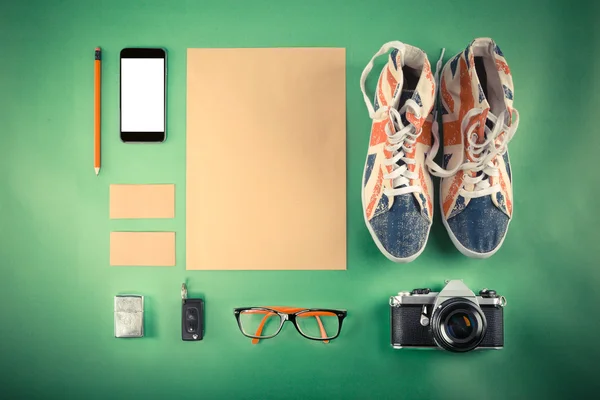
(489, 125)
(404, 96)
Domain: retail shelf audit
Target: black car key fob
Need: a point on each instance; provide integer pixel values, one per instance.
(192, 317)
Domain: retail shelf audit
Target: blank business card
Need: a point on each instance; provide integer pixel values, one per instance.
(142, 201)
(153, 249)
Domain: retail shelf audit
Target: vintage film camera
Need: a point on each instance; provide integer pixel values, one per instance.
(454, 319)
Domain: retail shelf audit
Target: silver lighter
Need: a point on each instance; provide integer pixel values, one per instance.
(129, 316)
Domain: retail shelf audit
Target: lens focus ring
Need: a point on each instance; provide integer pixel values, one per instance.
(458, 325)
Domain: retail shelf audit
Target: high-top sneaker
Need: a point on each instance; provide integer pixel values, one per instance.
(479, 120)
(397, 190)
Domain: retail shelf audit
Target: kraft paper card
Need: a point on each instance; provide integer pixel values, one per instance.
(266, 159)
(142, 201)
(154, 249)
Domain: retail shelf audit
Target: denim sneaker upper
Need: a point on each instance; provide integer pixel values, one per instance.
(397, 190)
(478, 120)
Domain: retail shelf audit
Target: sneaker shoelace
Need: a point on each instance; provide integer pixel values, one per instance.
(401, 138)
(399, 143)
(484, 155)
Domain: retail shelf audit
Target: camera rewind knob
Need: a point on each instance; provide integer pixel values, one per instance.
(421, 291)
(488, 293)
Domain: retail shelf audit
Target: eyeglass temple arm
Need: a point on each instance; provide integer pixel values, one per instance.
(264, 320)
(322, 329)
(261, 326)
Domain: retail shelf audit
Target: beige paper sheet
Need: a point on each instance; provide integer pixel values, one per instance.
(142, 201)
(153, 249)
(266, 159)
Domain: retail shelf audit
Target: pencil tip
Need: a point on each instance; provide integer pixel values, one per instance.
(97, 170)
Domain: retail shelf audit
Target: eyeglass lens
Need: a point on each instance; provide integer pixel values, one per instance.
(259, 322)
(318, 324)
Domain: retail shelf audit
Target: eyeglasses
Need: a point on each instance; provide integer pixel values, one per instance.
(312, 323)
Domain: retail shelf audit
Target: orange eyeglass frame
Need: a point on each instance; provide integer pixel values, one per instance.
(290, 314)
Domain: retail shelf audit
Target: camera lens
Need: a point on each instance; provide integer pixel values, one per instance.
(461, 325)
(458, 325)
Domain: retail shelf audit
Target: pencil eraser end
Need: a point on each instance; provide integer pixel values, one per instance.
(97, 48)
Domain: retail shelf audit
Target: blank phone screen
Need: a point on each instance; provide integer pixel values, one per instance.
(142, 94)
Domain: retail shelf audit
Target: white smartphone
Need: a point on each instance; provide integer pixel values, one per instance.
(143, 95)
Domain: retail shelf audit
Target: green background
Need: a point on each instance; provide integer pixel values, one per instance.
(56, 287)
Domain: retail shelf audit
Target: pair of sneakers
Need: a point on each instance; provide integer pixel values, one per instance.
(475, 89)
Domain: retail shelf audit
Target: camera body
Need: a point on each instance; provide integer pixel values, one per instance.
(454, 319)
